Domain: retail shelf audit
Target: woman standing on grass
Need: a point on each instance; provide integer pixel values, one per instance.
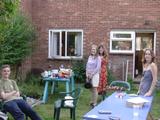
(103, 74)
(149, 79)
(92, 73)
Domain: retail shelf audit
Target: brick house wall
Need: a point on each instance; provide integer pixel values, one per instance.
(26, 7)
(96, 18)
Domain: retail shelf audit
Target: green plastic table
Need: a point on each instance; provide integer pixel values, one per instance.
(68, 81)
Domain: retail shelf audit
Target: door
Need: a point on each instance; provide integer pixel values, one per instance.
(142, 41)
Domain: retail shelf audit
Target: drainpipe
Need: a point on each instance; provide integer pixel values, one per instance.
(127, 70)
(123, 67)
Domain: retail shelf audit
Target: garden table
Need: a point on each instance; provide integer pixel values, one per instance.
(118, 108)
(68, 81)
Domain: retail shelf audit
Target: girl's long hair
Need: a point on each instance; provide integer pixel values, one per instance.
(104, 54)
(152, 55)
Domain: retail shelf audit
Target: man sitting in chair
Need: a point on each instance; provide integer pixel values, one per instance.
(13, 103)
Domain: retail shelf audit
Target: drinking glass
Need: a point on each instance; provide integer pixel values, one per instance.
(136, 109)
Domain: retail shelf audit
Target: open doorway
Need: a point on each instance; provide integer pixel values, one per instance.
(143, 41)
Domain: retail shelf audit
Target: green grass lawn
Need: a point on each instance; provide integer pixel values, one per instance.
(46, 110)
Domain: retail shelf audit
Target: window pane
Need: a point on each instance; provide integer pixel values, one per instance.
(56, 39)
(63, 43)
(78, 44)
(71, 43)
(74, 43)
(121, 45)
(119, 35)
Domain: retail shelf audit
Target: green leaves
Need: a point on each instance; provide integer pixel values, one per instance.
(17, 35)
(79, 70)
(8, 7)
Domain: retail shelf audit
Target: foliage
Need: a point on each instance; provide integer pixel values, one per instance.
(33, 79)
(80, 73)
(16, 34)
(17, 43)
(79, 69)
(31, 87)
(130, 80)
(110, 76)
(7, 9)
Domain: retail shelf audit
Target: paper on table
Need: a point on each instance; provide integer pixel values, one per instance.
(137, 100)
(92, 116)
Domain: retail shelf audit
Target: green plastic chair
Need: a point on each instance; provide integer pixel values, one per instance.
(3, 115)
(123, 85)
(61, 103)
(120, 85)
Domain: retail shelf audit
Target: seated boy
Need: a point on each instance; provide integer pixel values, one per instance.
(13, 103)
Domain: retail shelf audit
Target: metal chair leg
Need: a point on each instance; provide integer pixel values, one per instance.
(57, 113)
(73, 114)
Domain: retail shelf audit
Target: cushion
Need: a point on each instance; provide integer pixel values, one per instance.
(69, 101)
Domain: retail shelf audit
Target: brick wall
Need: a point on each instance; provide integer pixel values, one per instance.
(97, 18)
(26, 8)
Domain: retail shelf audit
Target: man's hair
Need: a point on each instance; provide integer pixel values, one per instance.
(5, 66)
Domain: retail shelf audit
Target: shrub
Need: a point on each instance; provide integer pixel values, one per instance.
(79, 69)
(31, 86)
(130, 80)
(110, 76)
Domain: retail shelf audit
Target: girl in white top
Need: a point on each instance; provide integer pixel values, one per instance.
(92, 72)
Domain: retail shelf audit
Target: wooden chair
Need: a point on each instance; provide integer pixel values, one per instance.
(61, 103)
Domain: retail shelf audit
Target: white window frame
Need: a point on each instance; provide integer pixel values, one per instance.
(132, 39)
(52, 55)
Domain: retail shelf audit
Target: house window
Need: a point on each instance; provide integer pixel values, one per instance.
(122, 42)
(65, 44)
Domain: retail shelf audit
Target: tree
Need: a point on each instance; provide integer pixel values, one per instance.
(17, 44)
(16, 34)
(7, 9)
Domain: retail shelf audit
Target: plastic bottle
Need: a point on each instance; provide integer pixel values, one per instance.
(49, 73)
(61, 67)
(49, 70)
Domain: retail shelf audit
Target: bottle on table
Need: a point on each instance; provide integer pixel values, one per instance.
(61, 71)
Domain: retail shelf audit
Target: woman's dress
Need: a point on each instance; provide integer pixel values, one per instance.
(103, 77)
(146, 82)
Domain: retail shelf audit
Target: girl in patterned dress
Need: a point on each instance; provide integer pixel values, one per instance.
(103, 72)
